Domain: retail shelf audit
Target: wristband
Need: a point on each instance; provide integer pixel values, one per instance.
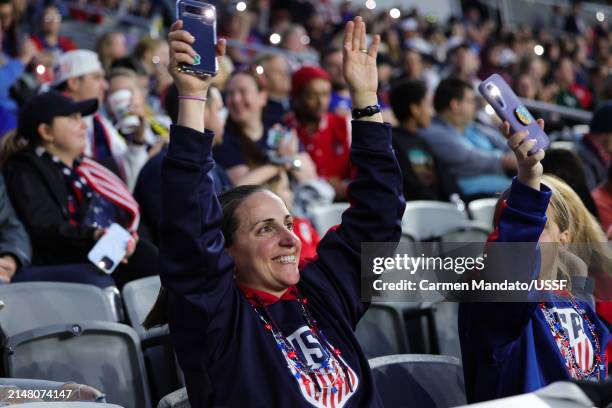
(194, 98)
(367, 111)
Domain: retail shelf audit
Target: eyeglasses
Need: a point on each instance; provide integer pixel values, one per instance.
(53, 18)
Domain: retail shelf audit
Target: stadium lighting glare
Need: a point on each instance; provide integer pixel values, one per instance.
(40, 69)
(259, 70)
(600, 16)
(370, 4)
(275, 38)
(395, 13)
(538, 50)
(241, 6)
(489, 109)
(305, 40)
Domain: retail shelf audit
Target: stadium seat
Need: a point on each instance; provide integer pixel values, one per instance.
(426, 220)
(104, 355)
(138, 298)
(29, 305)
(177, 399)
(382, 331)
(419, 380)
(327, 216)
(482, 210)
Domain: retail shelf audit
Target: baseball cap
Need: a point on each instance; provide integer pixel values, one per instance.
(74, 64)
(44, 107)
(601, 122)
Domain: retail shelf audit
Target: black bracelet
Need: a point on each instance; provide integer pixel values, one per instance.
(367, 111)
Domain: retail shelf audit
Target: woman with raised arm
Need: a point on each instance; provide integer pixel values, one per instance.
(249, 328)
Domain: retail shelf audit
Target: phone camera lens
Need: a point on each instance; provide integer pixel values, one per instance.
(105, 263)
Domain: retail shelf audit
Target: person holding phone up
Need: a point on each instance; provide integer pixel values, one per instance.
(511, 348)
(249, 327)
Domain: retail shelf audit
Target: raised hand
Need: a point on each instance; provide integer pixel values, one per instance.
(359, 64)
(181, 52)
(529, 166)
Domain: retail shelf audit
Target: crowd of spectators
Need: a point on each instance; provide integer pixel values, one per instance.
(280, 107)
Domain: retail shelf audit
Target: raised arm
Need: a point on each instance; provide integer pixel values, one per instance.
(194, 265)
(522, 220)
(375, 192)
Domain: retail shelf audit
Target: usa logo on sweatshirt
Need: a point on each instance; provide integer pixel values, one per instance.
(574, 328)
(314, 355)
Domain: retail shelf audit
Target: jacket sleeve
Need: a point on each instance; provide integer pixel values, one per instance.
(49, 231)
(13, 237)
(376, 208)
(195, 268)
(522, 221)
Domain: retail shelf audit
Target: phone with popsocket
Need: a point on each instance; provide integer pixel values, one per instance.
(110, 249)
(509, 108)
(200, 20)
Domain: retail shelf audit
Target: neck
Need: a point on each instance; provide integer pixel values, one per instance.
(410, 125)
(51, 38)
(66, 158)
(253, 129)
(277, 96)
(453, 121)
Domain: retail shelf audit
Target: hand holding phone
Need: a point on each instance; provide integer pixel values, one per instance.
(509, 108)
(110, 249)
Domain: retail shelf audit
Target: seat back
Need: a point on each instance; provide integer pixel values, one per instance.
(419, 380)
(138, 298)
(483, 210)
(104, 355)
(429, 219)
(29, 305)
(381, 331)
(325, 217)
(176, 399)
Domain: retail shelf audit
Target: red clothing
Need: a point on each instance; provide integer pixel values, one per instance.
(63, 43)
(309, 237)
(329, 146)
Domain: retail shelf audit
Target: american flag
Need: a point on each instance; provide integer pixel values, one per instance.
(111, 187)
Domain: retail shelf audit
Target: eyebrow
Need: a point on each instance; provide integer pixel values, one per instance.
(288, 216)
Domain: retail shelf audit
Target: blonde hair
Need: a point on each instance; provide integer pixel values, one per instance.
(10, 144)
(567, 210)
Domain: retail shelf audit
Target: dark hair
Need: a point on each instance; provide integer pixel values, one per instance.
(568, 166)
(404, 94)
(229, 200)
(449, 89)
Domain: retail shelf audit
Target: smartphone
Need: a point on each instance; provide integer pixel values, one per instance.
(509, 108)
(277, 136)
(110, 249)
(200, 20)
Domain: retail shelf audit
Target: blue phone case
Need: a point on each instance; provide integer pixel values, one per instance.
(205, 34)
(509, 107)
(110, 249)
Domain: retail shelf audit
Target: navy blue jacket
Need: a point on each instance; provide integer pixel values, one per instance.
(508, 348)
(228, 357)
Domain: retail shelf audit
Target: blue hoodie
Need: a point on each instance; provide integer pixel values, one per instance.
(229, 358)
(509, 348)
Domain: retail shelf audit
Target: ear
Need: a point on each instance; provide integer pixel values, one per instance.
(73, 84)
(565, 237)
(46, 132)
(414, 110)
(453, 105)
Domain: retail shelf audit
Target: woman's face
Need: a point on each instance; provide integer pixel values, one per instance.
(265, 249)
(66, 135)
(52, 20)
(244, 101)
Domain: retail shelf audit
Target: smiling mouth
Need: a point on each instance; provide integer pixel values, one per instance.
(285, 259)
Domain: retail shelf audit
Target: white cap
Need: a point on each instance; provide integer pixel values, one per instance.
(74, 64)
